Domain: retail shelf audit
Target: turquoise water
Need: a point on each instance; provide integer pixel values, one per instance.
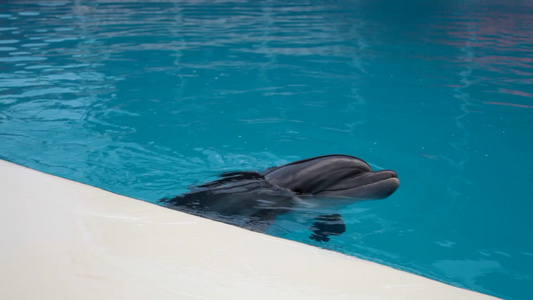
(146, 99)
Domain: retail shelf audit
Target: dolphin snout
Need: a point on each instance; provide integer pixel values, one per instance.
(368, 185)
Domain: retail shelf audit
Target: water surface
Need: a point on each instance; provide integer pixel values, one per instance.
(147, 98)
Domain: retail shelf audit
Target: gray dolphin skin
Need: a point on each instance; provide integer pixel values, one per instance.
(333, 176)
(252, 199)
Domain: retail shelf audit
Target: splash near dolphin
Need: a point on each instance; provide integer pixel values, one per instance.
(253, 199)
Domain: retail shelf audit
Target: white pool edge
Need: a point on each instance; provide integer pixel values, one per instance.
(65, 240)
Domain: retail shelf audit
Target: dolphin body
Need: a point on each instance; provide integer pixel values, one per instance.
(252, 199)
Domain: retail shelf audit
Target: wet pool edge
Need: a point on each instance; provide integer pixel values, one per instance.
(65, 240)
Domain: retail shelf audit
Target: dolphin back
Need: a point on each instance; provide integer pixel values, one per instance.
(235, 194)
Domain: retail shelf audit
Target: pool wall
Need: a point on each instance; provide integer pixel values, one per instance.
(66, 240)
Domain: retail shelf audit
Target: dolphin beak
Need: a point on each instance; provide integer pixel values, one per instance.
(387, 183)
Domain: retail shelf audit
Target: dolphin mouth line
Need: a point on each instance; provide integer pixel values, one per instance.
(387, 176)
(393, 179)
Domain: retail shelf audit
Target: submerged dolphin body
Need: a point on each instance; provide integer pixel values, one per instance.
(252, 199)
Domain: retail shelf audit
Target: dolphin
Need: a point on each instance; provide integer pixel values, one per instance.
(253, 199)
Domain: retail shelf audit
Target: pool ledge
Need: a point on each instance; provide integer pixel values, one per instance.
(66, 240)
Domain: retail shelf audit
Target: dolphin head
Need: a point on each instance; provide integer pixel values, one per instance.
(334, 176)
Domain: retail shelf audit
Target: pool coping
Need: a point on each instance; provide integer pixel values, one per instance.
(66, 240)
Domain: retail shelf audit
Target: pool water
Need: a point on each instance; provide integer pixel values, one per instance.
(148, 98)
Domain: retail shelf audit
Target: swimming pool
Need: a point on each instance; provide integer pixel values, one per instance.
(147, 98)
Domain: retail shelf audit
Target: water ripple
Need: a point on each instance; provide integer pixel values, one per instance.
(146, 98)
